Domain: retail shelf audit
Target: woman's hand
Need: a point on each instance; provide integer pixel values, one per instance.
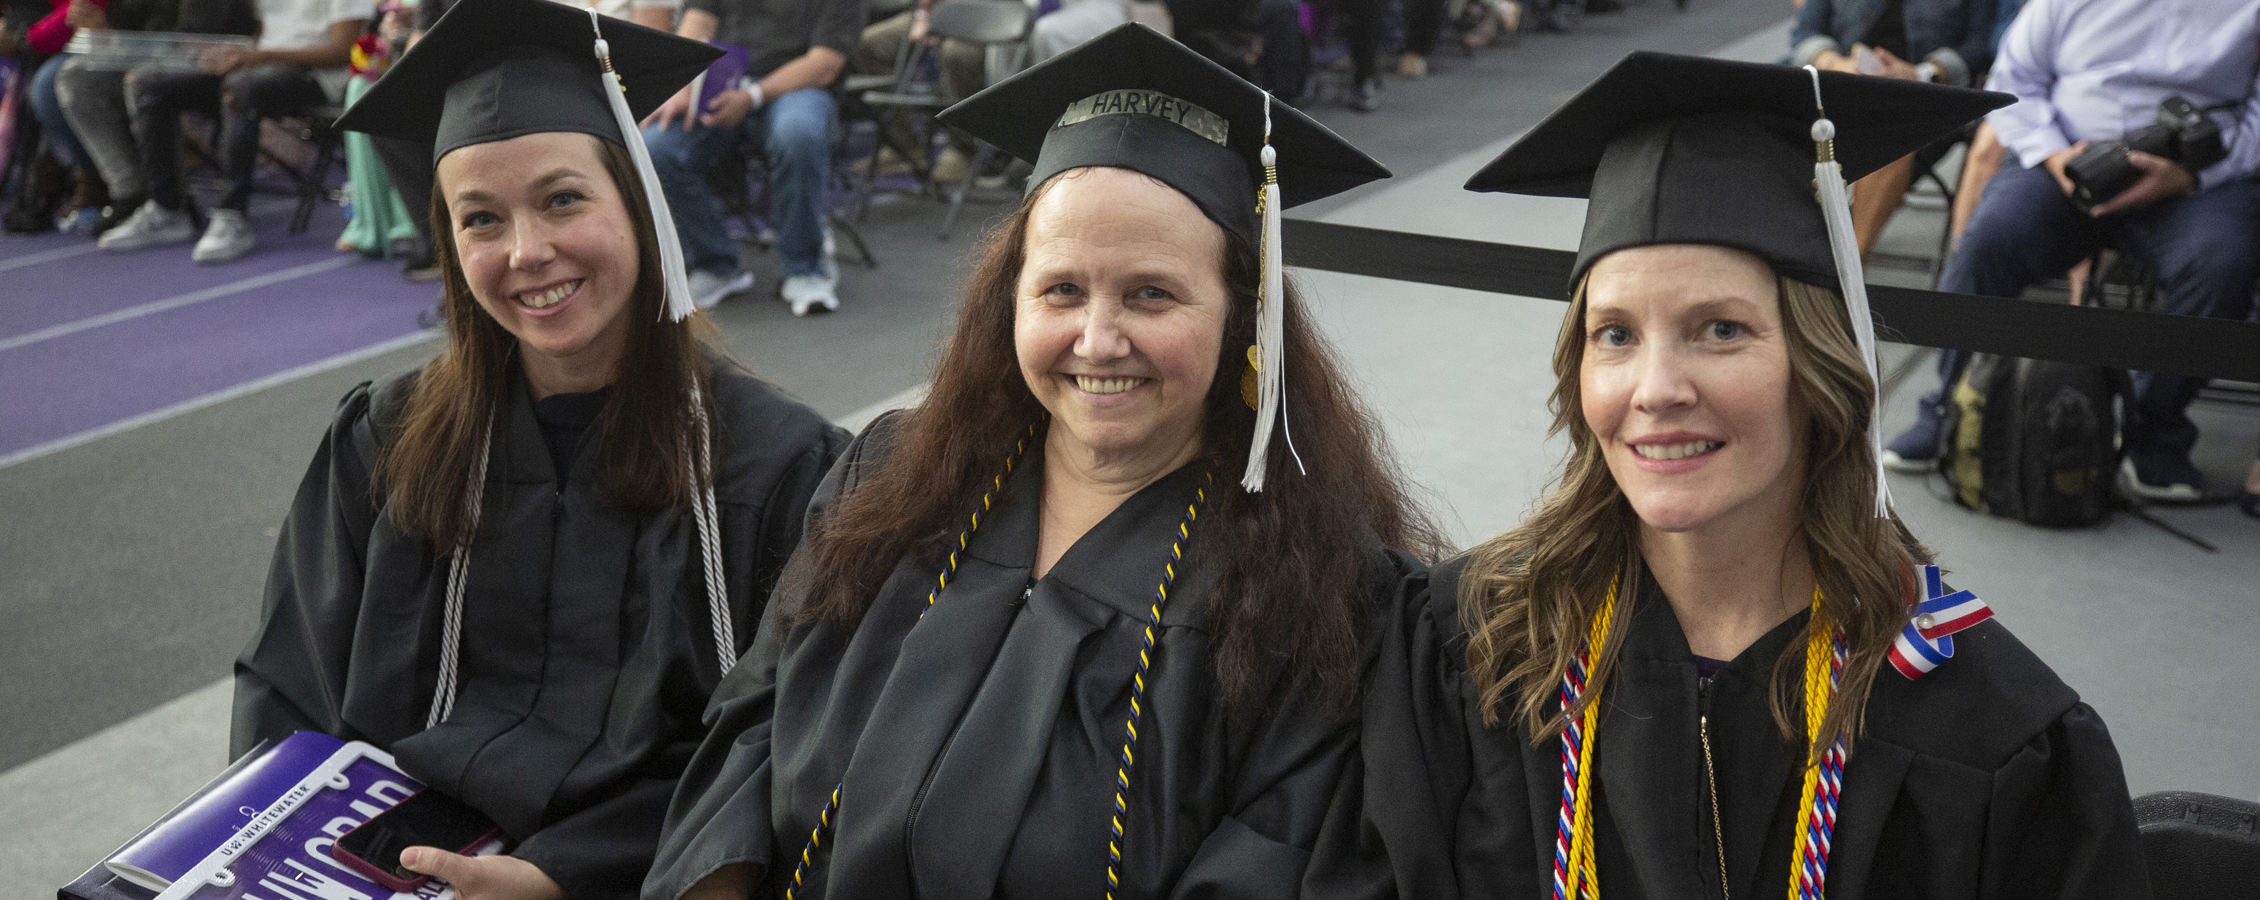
(483, 877)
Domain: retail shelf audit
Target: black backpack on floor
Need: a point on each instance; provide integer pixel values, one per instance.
(2033, 440)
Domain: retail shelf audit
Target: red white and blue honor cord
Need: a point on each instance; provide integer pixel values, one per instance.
(1928, 638)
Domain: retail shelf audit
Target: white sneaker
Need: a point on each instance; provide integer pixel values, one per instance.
(226, 238)
(808, 293)
(708, 289)
(148, 226)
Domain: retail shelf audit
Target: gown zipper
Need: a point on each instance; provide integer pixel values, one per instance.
(1710, 778)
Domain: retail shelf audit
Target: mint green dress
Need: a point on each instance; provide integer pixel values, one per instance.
(379, 218)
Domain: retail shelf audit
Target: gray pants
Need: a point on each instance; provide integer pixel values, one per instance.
(94, 101)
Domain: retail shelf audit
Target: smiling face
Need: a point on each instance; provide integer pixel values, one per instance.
(546, 245)
(1119, 314)
(1685, 383)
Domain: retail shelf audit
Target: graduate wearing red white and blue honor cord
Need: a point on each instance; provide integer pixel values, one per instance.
(1543, 724)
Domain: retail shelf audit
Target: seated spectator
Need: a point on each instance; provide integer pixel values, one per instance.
(1949, 39)
(1479, 22)
(31, 178)
(2082, 72)
(91, 93)
(299, 63)
(962, 69)
(1060, 25)
(1984, 156)
(794, 51)
(89, 193)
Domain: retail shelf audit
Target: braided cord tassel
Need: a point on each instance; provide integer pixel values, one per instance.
(708, 518)
(815, 840)
(1825, 657)
(1138, 687)
(458, 579)
(996, 486)
(1574, 875)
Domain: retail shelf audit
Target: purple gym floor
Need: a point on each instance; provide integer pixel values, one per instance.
(89, 339)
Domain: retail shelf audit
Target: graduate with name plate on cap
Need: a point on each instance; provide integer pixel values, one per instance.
(1713, 663)
(524, 567)
(1089, 621)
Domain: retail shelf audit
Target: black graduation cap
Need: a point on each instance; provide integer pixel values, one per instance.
(1690, 150)
(492, 70)
(1134, 99)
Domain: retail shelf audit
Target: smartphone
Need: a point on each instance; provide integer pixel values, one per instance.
(427, 818)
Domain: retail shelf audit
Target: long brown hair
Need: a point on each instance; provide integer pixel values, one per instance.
(641, 431)
(1295, 580)
(1529, 596)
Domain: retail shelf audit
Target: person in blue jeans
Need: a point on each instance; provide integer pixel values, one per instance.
(2088, 71)
(784, 106)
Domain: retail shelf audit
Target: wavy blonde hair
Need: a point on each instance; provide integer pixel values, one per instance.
(1528, 597)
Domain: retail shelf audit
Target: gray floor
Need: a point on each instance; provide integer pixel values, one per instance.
(134, 563)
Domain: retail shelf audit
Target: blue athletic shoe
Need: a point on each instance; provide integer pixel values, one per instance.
(1915, 451)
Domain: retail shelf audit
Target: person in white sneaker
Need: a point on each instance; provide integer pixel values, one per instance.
(299, 63)
(783, 107)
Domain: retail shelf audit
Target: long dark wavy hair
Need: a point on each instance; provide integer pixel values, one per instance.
(1295, 583)
(641, 431)
(1529, 596)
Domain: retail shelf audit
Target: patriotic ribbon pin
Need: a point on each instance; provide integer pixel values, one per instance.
(1929, 639)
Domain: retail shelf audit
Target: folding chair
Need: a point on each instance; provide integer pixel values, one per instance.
(1000, 28)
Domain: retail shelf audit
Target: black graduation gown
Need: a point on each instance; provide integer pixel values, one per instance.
(1986, 778)
(587, 647)
(978, 749)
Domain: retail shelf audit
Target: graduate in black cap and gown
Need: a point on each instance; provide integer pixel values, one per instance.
(1713, 663)
(524, 567)
(1083, 623)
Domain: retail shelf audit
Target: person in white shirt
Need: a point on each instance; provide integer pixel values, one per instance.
(2087, 73)
(300, 62)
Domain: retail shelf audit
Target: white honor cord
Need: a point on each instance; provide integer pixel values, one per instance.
(703, 512)
(459, 571)
(1844, 245)
(678, 306)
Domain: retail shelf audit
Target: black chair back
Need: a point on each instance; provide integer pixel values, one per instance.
(2199, 846)
(982, 21)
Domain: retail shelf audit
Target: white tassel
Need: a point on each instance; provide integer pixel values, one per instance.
(1271, 324)
(679, 305)
(1844, 244)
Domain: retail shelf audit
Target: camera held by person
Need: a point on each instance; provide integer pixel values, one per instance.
(2183, 133)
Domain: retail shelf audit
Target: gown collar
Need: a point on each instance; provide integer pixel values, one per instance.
(1119, 561)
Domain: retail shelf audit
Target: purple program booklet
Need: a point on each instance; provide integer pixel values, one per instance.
(263, 830)
(721, 75)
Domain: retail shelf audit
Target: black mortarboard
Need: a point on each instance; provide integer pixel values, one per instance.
(1689, 150)
(491, 70)
(1134, 99)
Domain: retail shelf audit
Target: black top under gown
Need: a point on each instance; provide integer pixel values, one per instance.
(587, 647)
(978, 749)
(1986, 778)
